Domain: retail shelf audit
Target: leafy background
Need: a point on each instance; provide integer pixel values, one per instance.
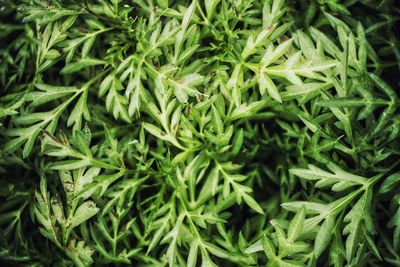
(199, 133)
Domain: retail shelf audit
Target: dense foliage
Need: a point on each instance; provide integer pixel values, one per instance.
(199, 133)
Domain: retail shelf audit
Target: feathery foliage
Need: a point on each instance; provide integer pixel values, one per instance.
(199, 133)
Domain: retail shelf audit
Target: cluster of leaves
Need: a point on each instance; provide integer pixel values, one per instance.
(199, 133)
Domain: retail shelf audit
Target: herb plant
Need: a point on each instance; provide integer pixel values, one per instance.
(199, 133)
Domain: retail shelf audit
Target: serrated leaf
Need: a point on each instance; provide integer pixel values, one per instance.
(83, 213)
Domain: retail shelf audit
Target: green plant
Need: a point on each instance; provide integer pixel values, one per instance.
(199, 133)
